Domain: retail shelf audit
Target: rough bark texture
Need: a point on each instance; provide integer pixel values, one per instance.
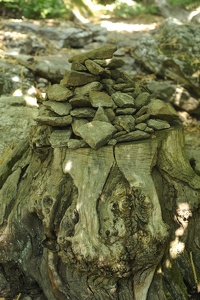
(120, 222)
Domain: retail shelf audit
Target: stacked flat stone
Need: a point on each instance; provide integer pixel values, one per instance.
(97, 104)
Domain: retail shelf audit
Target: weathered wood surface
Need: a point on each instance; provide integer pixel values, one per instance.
(120, 222)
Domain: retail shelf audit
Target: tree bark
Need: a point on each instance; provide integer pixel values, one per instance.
(120, 222)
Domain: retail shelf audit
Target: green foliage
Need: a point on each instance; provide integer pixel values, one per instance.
(40, 9)
(81, 5)
(132, 8)
(189, 4)
(35, 9)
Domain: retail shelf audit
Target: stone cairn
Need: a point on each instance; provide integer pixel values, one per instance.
(97, 104)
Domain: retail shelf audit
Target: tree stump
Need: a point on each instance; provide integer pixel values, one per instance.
(110, 213)
(119, 222)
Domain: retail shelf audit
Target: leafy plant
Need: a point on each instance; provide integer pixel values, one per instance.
(189, 4)
(132, 8)
(35, 9)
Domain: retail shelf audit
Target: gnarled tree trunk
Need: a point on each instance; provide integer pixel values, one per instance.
(119, 222)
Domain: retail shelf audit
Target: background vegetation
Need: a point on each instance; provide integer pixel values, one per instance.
(188, 4)
(33, 9)
(41, 9)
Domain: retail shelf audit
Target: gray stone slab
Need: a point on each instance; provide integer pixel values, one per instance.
(75, 78)
(55, 121)
(85, 112)
(126, 122)
(123, 100)
(101, 115)
(103, 52)
(133, 136)
(93, 67)
(142, 99)
(92, 86)
(60, 108)
(158, 124)
(78, 122)
(58, 92)
(96, 133)
(101, 99)
(60, 138)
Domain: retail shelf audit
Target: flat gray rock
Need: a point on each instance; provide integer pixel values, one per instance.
(141, 126)
(85, 112)
(175, 94)
(74, 78)
(103, 52)
(126, 122)
(100, 99)
(75, 144)
(133, 136)
(101, 115)
(58, 92)
(77, 123)
(65, 35)
(84, 90)
(77, 66)
(123, 87)
(123, 100)
(143, 110)
(125, 111)
(60, 138)
(115, 63)
(110, 113)
(12, 78)
(142, 118)
(160, 109)
(96, 133)
(17, 118)
(172, 52)
(60, 108)
(80, 101)
(54, 121)
(93, 67)
(142, 99)
(51, 68)
(158, 124)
